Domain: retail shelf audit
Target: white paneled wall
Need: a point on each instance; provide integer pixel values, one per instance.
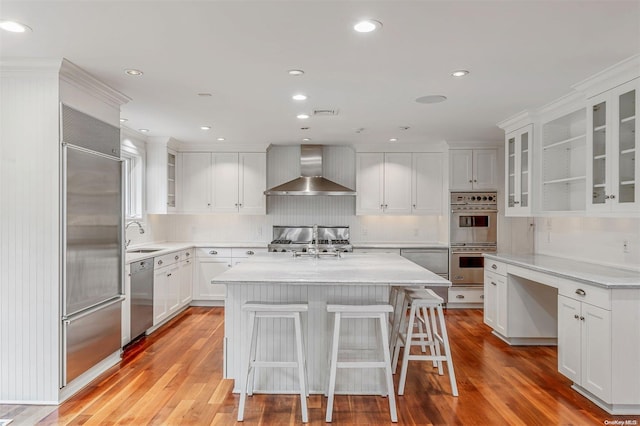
(598, 240)
(283, 165)
(29, 236)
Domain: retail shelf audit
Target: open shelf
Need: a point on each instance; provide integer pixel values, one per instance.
(565, 180)
(627, 119)
(567, 143)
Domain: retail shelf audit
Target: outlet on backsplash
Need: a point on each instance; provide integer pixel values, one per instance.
(625, 246)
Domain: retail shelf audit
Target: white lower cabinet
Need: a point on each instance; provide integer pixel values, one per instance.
(211, 262)
(165, 291)
(495, 302)
(186, 277)
(584, 345)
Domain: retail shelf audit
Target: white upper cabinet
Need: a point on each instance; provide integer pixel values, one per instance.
(161, 178)
(612, 142)
(400, 183)
(427, 183)
(518, 171)
(473, 169)
(383, 183)
(224, 182)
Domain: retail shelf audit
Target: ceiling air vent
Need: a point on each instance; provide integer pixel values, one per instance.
(325, 112)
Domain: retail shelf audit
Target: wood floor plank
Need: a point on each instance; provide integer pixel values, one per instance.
(174, 377)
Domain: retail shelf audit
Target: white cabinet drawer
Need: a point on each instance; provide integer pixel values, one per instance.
(466, 295)
(246, 252)
(209, 252)
(593, 295)
(495, 267)
(166, 259)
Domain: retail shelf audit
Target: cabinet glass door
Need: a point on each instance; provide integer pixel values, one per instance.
(599, 153)
(171, 180)
(524, 169)
(627, 147)
(511, 178)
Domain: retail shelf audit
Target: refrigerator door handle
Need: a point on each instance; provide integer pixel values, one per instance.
(68, 319)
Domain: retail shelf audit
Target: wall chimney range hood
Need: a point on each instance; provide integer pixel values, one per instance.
(311, 181)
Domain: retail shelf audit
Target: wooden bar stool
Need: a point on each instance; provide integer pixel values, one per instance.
(397, 319)
(379, 312)
(430, 304)
(258, 310)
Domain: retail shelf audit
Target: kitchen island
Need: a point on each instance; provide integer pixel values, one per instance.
(280, 277)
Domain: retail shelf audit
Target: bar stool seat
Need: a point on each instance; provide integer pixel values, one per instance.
(430, 304)
(258, 310)
(375, 311)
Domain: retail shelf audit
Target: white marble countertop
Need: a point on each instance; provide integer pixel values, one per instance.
(170, 247)
(398, 245)
(590, 273)
(351, 268)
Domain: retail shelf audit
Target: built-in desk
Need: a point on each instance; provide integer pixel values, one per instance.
(591, 312)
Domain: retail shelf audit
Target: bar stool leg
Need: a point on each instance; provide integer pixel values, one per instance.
(447, 352)
(388, 374)
(430, 335)
(437, 335)
(251, 384)
(301, 368)
(333, 366)
(246, 366)
(407, 350)
(401, 326)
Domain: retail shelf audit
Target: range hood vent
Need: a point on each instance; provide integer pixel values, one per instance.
(311, 181)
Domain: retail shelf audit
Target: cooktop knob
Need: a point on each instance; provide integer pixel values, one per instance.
(484, 198)
(473, 198)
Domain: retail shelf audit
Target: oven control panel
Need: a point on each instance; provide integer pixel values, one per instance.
(474, 199)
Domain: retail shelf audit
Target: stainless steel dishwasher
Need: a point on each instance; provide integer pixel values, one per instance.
(434, 259)
(141, 297)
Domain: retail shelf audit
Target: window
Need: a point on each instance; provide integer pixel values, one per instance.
(132, 184)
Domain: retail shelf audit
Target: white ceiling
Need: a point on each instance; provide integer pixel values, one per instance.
(521, 54)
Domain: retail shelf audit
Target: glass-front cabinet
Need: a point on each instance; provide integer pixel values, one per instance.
(613, 171)
(518, 167)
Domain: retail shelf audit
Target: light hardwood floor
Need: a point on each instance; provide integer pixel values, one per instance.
(174, 377)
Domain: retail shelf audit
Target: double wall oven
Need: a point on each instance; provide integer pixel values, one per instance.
(473, 232)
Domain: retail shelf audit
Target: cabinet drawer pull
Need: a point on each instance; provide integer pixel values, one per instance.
(159, 262)
(460, 296)
(581, 292)
(494, 266)
(581, 318)
(493, 283)
(213, 252)
(576, 316)
(168, 275)
(250, 252)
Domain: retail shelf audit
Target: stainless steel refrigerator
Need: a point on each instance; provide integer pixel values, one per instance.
(92, 264)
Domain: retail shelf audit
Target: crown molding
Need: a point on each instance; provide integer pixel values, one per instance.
(76, 76)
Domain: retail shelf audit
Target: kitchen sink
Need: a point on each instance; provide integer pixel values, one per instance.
(144, 250)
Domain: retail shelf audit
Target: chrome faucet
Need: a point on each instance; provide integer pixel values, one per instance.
(140, 229)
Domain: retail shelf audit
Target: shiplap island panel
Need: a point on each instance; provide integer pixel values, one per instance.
(279, 277)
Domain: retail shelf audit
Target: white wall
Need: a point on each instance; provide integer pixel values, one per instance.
(592, 239)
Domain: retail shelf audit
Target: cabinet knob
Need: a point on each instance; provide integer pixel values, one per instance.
(460, 296)
(581, 318)
(213, 252)
(576, 316)
(250, 252)
(208, 204)
(494, 266)
(382, 206)
(612, 197)
(236, 204)
(581, 292)
(482, 296)
(606, 197)
(159, 262)
(187, 254)
(516, 202)
(414, 206)
(386, 206)
(239, 204)
(492, 282)
(169, 275)
(177, 257)
(475, 180)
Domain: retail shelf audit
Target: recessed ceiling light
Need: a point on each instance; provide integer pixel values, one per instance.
(393, 140)
(204, 94)
(14, 27)
(367, 25)
(220, 139)
(306, 140)
(122, 120)
(431, 99)
(303, 116)
(205, 127)
(295, 72)
(459, 73)
(299, 97)
(133, 72)
(144, 130)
